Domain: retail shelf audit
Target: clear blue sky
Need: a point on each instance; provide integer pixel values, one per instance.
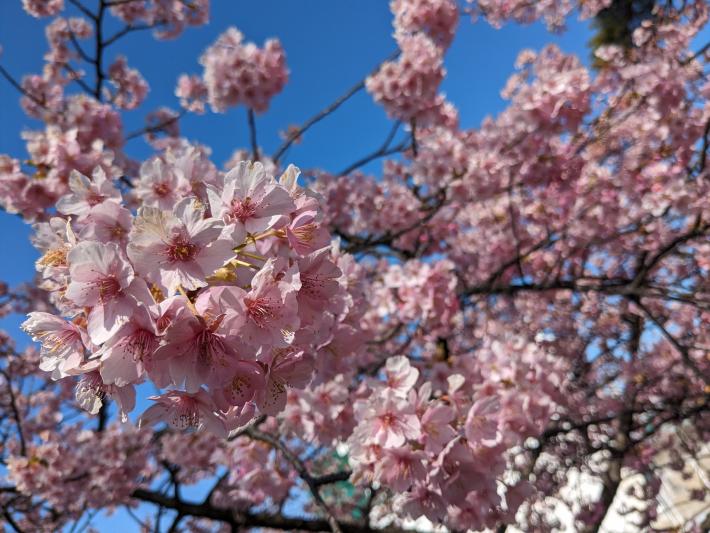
(330, 46)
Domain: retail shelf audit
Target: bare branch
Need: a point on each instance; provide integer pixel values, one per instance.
(5, 74)
(302, 472)
(252, 134)
(297, 133)
(83, 9)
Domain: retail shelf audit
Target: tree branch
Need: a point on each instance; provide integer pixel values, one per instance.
(294, 135)
(252, 134)
(253, 520)
(5, 74)
(302, 472)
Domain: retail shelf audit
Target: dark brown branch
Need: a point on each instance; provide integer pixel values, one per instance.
(360, 244)
(682, 350)
(250, 520)
(10, 520)
(413, 135)
(696, 55)
(126, 30)
(251, 119)
(297, 133)
(302, 471)
(381, 152)
(111, 3)
(83, 9)
(99, 50)
(5, 74)
(78, 48)
(155, 127)
(76, 77)
(704, 149)
(15, 413)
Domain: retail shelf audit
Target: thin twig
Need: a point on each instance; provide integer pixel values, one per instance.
(381, 152)
(126, 30)
(683, 350)
(76, 77)
(302, 472)
(78, 48)
(83, 9)
(251, 119)
(297, 133)
(99, 50)
(15, 413)
(5, 74)
(156, 127)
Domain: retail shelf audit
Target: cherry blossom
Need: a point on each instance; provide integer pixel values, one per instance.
(178, 248)
(457, 330)
(103, 280)
(241, 73)
(250, 200)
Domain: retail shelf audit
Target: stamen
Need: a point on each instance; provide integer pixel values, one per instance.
(242, 210)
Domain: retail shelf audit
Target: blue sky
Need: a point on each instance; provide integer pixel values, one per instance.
(330, 46)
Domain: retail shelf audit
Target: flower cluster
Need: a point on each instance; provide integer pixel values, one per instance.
(553, 12)
(65, 470)
(223, 294)
(508, 308)
(427, 444)
(241, 73)
(436, 18)
(43, 8)
(131, 88)
(408, 87)
(192, 92)
(169, 17)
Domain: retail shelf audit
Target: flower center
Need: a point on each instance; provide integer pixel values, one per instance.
(243, 210)
(161, 189)
(186, 415)
(180, 249)
(94, 198)
(117, 231)
(210, 348)
(305, 233)
(388, 420)
(109, 288)
(54, 258)
(56, 341)
(140, 344)
(259, 310)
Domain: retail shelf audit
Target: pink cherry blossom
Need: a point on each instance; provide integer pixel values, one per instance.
(63, 343)
(177, 249)
(400, 375)
(192, 93)
(86, 193)
(128, 353)
(107, 222)
(43, 8)
(270, 308)
(461, 326)
(182, 410)
(241, 73)
(407, 87)
(250, 201)
(481, 424)
(91, 392)
(131, 87)
(287, 369)
(389, 421)
(101, 278)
